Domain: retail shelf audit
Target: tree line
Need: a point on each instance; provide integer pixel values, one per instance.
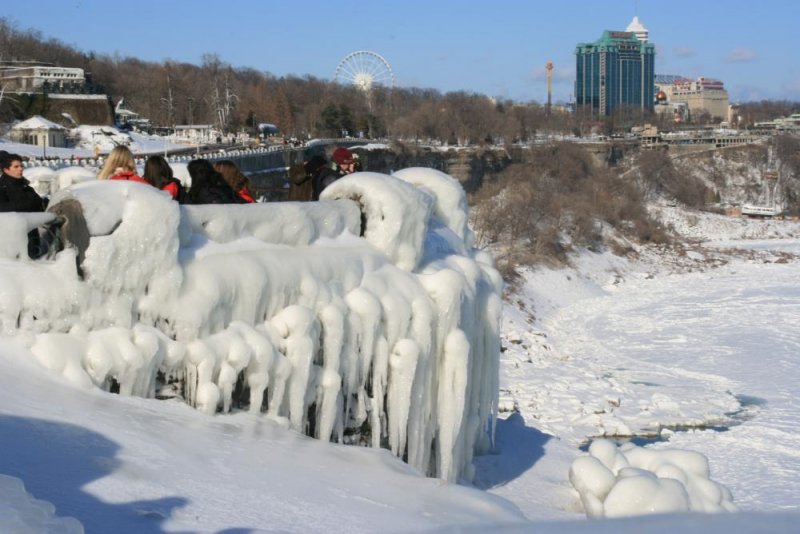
(233, 97)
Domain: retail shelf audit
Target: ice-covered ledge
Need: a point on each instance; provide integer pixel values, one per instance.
(366, 318)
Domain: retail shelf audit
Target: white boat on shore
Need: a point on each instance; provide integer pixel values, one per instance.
(760, 211)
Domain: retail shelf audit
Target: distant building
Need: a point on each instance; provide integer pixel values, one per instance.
(39, 131)
(617, 70)
(792, 122)
(126, 117)
(21, 77)
(701, 95)
(636, 28)
(196, 133)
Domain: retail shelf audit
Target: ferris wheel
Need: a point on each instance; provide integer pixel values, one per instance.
(364, 69)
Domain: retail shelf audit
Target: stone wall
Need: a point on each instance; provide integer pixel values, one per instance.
(84, 109)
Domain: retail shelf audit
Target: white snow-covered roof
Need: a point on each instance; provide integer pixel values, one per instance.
(37, 122)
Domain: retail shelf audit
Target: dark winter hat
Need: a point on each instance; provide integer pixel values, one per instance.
(342, 156)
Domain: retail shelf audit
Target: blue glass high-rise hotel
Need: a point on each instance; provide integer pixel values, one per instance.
(617, 70)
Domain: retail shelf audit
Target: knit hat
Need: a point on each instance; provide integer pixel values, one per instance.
(342, 156)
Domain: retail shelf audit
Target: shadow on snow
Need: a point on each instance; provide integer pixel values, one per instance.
(517, 449)
(56, 460)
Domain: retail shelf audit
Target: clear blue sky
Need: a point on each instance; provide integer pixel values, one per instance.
(496, 47)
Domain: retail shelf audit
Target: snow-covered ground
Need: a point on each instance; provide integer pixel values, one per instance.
(706, 338)
(131, 465)
(102, 138)
(697, 351)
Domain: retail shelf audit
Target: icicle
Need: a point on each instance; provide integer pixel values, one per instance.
(201, 364)
(233, 355)
(452, 392)
(379, 376)
(258, 369)
(332, 320)
(402, 368)
(300, 330)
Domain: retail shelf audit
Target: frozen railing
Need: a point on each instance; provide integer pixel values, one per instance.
(365, 318)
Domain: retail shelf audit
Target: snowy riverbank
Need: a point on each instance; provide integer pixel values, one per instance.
(653, 347)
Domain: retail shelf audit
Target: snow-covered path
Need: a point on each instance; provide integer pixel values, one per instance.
(717, 348)
(132, 465)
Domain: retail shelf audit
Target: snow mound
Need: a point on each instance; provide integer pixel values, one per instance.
(43, 180)
(288, 223)
(48, 181)
(16, 226)
(35, 174)
(104, 138)
(629, 480)
(21, 512)
(396, 213)
(451, 201)
(312, 313)
(74, 175)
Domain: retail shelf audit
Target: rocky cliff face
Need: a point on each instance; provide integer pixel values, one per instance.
(468, 165)
(740, 175)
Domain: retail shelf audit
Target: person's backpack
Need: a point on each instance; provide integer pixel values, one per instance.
(300, 188)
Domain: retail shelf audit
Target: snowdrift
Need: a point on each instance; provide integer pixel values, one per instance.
(629, 480)
(366, 318)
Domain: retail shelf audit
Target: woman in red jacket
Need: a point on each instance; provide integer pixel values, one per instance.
(235, 179)
(158, 173)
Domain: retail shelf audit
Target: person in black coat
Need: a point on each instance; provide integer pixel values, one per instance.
(16, 194)
(208, 186)
(342, 163)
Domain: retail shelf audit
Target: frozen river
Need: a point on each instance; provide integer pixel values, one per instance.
(737, 325)
(717, 350)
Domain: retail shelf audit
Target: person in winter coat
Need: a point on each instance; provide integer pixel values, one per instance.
(302, 176)
(16, 194)
(234, 178)
(158, 173)
(208, 186)
(343, 163)
(120, 165)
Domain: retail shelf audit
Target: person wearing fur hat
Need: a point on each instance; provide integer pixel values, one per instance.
(342, 163)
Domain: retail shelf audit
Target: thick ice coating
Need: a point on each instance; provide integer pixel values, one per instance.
(395, 212)
(358, 319)
(450, 205)
(629, 480)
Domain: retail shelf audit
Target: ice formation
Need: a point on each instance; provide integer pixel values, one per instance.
(21, 512)
(366, 318)
(629, 480)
